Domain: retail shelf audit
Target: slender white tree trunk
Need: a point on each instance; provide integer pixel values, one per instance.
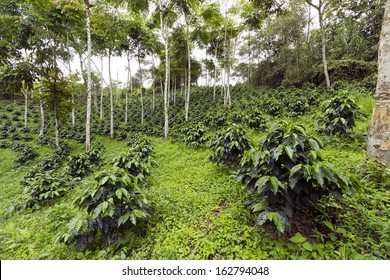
(101, 90)
(185, 87)
(25, 93)
(229, 100)
(215, 73)
(111, 98)
(42, 129)
(127, 90)
(379, 128)
(140, 89)
(321, 9)
(166, 100)
(187, 107)
(57, 128)
(89, 80)
(323, 43)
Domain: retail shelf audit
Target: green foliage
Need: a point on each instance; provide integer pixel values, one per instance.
(256, 120)
(141, 145)
(83, 164)
(42, 186)
(193, 135)
(340, 113)
(3, 145)
(79, 165)
(286, 173)
(229, 145)
(26, 154)
(96, 153)
(44, 140)
(133, 163)
(114, 203)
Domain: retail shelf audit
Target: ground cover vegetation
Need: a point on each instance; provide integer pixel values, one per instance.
(273, 167)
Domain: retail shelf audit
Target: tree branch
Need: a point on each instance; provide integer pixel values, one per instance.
(314, 6)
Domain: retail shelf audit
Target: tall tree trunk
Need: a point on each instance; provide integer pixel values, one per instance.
(215, 73)
(101, 90)
(153, 85)
(166, 100)
(379, 128)
(169, 78)
(308, 24)
(189, 73)
(42, 129)
(25, 93)
(73, 112)
(228, 97)
(185, 87)
(321, 9)
(127, 90)
(89, 80)
(111, 98)
(323, 43)
(140, 89)
(57, 127)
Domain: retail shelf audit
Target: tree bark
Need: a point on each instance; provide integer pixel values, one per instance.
(42, 129)
(127, 90)
(57, 127)
(187, 107)
(140, 89)
(111, 98)
(25, 93)
(89, 80)
(101, 90)
(166, 100)
(215, 73)
(323, 43)
(379, 128)
(320, 8)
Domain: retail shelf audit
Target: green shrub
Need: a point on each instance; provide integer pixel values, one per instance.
(121, 135)
(141, 145)
(43, 186)
(15, 136)
(50, 163)
(286, 173)
(340, 113)
(96, 153)
(114, 204)
(256, 120)
(44, 140)
(194, 135)
(26, 154)
(79, 165)
(63, 150)
(133, 163)
(229, 145)
(4, 145)
(137, 139)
